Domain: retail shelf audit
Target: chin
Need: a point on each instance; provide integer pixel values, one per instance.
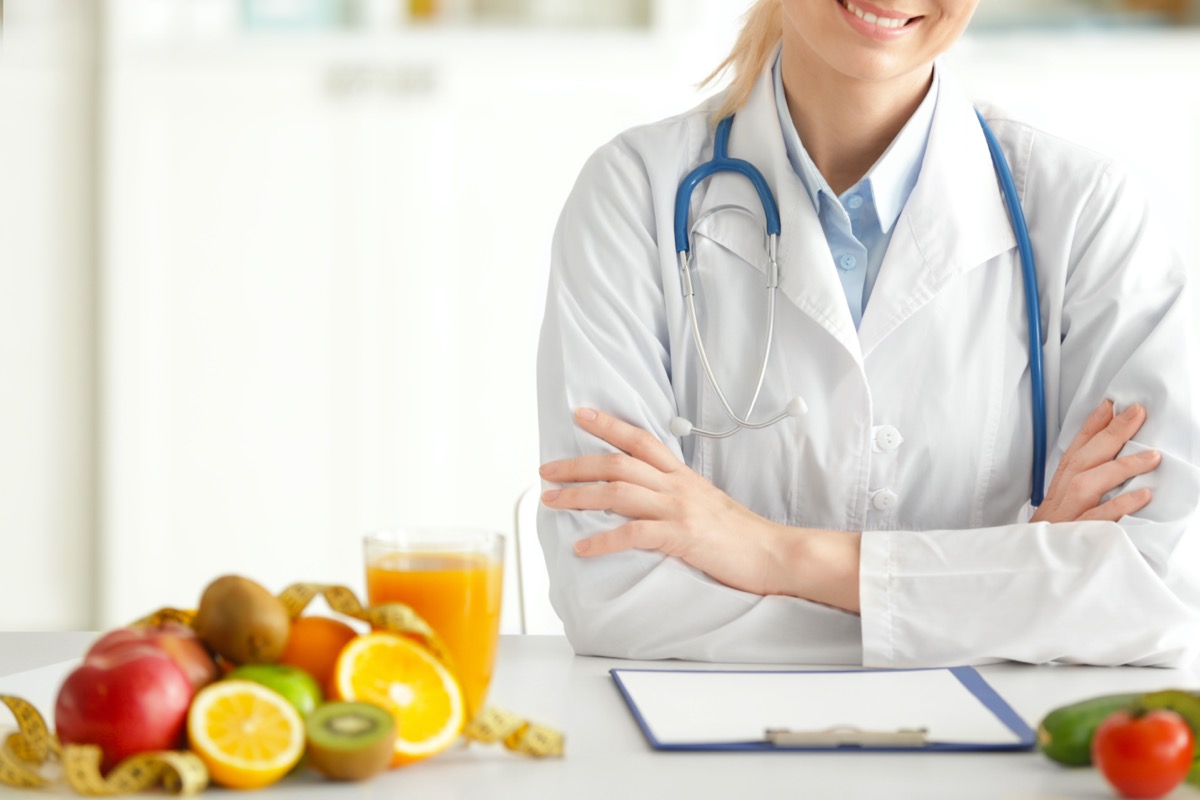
(881, 67)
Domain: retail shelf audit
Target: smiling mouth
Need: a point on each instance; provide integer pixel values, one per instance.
(883, 22)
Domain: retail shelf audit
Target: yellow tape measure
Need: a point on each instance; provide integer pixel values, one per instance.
(520, 735)
(33, 757)
(28, 757)
(487, 726)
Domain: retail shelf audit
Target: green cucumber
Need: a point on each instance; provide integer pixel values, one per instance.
(1186, 705)
(1065, 734)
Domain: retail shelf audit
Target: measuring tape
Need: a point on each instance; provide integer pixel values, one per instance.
(29, 757)
(488, 726)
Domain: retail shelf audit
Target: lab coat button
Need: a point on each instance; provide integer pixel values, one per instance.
(885, 500)
(887, 438)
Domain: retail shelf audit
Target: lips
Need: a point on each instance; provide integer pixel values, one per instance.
(887, 20)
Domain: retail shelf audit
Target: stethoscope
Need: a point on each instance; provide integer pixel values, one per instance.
(721, 162)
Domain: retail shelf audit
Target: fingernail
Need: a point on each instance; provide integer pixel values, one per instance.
(582, 546)
(1131, 412)
(1152, 455)
(585, 414)
(548, 469)
(550, 494)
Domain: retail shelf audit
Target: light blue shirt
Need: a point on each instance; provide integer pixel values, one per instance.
(858, 225)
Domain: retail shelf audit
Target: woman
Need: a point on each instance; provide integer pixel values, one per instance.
(891, 525)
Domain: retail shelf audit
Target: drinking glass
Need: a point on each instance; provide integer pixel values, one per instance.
(452, 578)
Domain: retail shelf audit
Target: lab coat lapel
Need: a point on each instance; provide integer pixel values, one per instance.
(807, 275)
(954, 220)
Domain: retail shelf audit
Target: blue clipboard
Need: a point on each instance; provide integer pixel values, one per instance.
(964, 703)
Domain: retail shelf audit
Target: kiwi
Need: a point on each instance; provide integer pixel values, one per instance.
(350, 741)
(242, 622)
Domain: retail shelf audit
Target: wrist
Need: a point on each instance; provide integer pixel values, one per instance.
(818, 565)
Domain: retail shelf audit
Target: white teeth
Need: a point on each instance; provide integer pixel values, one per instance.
(867, 16)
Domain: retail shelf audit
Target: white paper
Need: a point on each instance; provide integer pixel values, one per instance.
(698, 707)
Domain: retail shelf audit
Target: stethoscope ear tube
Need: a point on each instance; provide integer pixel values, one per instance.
(721, 162)
(681, 424)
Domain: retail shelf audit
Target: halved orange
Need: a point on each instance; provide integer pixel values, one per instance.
(247, 735)
(396, 673)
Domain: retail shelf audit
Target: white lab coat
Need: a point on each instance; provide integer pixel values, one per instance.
(951, 572)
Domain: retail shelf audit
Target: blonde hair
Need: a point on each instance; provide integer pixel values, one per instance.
(762, 30)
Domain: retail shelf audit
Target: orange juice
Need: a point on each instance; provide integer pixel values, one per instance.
(458, 594)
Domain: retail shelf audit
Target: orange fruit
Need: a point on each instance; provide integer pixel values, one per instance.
(313, 645)
(399, 675)
(246, 734)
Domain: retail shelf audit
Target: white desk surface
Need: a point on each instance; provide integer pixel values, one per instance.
(608, 759)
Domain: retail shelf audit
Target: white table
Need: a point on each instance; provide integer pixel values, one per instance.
(608, 759)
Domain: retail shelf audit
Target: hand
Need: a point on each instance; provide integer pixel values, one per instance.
(676, 511)
(1090, 469)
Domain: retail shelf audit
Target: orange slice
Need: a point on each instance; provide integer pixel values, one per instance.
(247, 735)
(398, 674)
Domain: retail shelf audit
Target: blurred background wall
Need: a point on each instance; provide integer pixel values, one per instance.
(271, 271)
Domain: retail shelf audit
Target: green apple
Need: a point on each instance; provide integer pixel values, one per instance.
(297, 686)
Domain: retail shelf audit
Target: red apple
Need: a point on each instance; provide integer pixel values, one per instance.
(127, 701)
(178, 641)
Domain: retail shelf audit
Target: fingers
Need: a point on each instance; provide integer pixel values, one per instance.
(1120, 506)
(1106, 477)
(635, 535)
(1099, 418)
(602, 467)
(627, 499)
(1089, 468)
(1107, 442)
(633, 440)
(1097, 421)
(1084, 490)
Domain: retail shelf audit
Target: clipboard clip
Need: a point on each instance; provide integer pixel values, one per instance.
(847, 736)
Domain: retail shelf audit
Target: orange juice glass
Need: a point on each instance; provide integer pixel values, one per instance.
(452, 578)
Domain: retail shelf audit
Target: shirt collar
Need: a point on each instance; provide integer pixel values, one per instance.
(891, 179)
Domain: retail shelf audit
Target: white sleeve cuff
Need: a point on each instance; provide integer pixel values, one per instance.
(876, 571)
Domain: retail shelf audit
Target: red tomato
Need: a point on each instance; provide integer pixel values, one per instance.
(1143, 756)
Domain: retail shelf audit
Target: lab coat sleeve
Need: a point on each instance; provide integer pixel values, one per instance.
(604, 344)
(1082, 592)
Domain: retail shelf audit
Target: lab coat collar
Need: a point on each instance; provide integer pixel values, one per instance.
(954, 219)
(807, 276)
(894, 175)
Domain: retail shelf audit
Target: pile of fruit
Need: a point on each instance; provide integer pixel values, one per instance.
(252, 692)
(1143, 744)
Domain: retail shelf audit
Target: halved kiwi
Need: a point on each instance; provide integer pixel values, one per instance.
(350, 741)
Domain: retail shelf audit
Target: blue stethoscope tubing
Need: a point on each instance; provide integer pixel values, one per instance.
(721, 162)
